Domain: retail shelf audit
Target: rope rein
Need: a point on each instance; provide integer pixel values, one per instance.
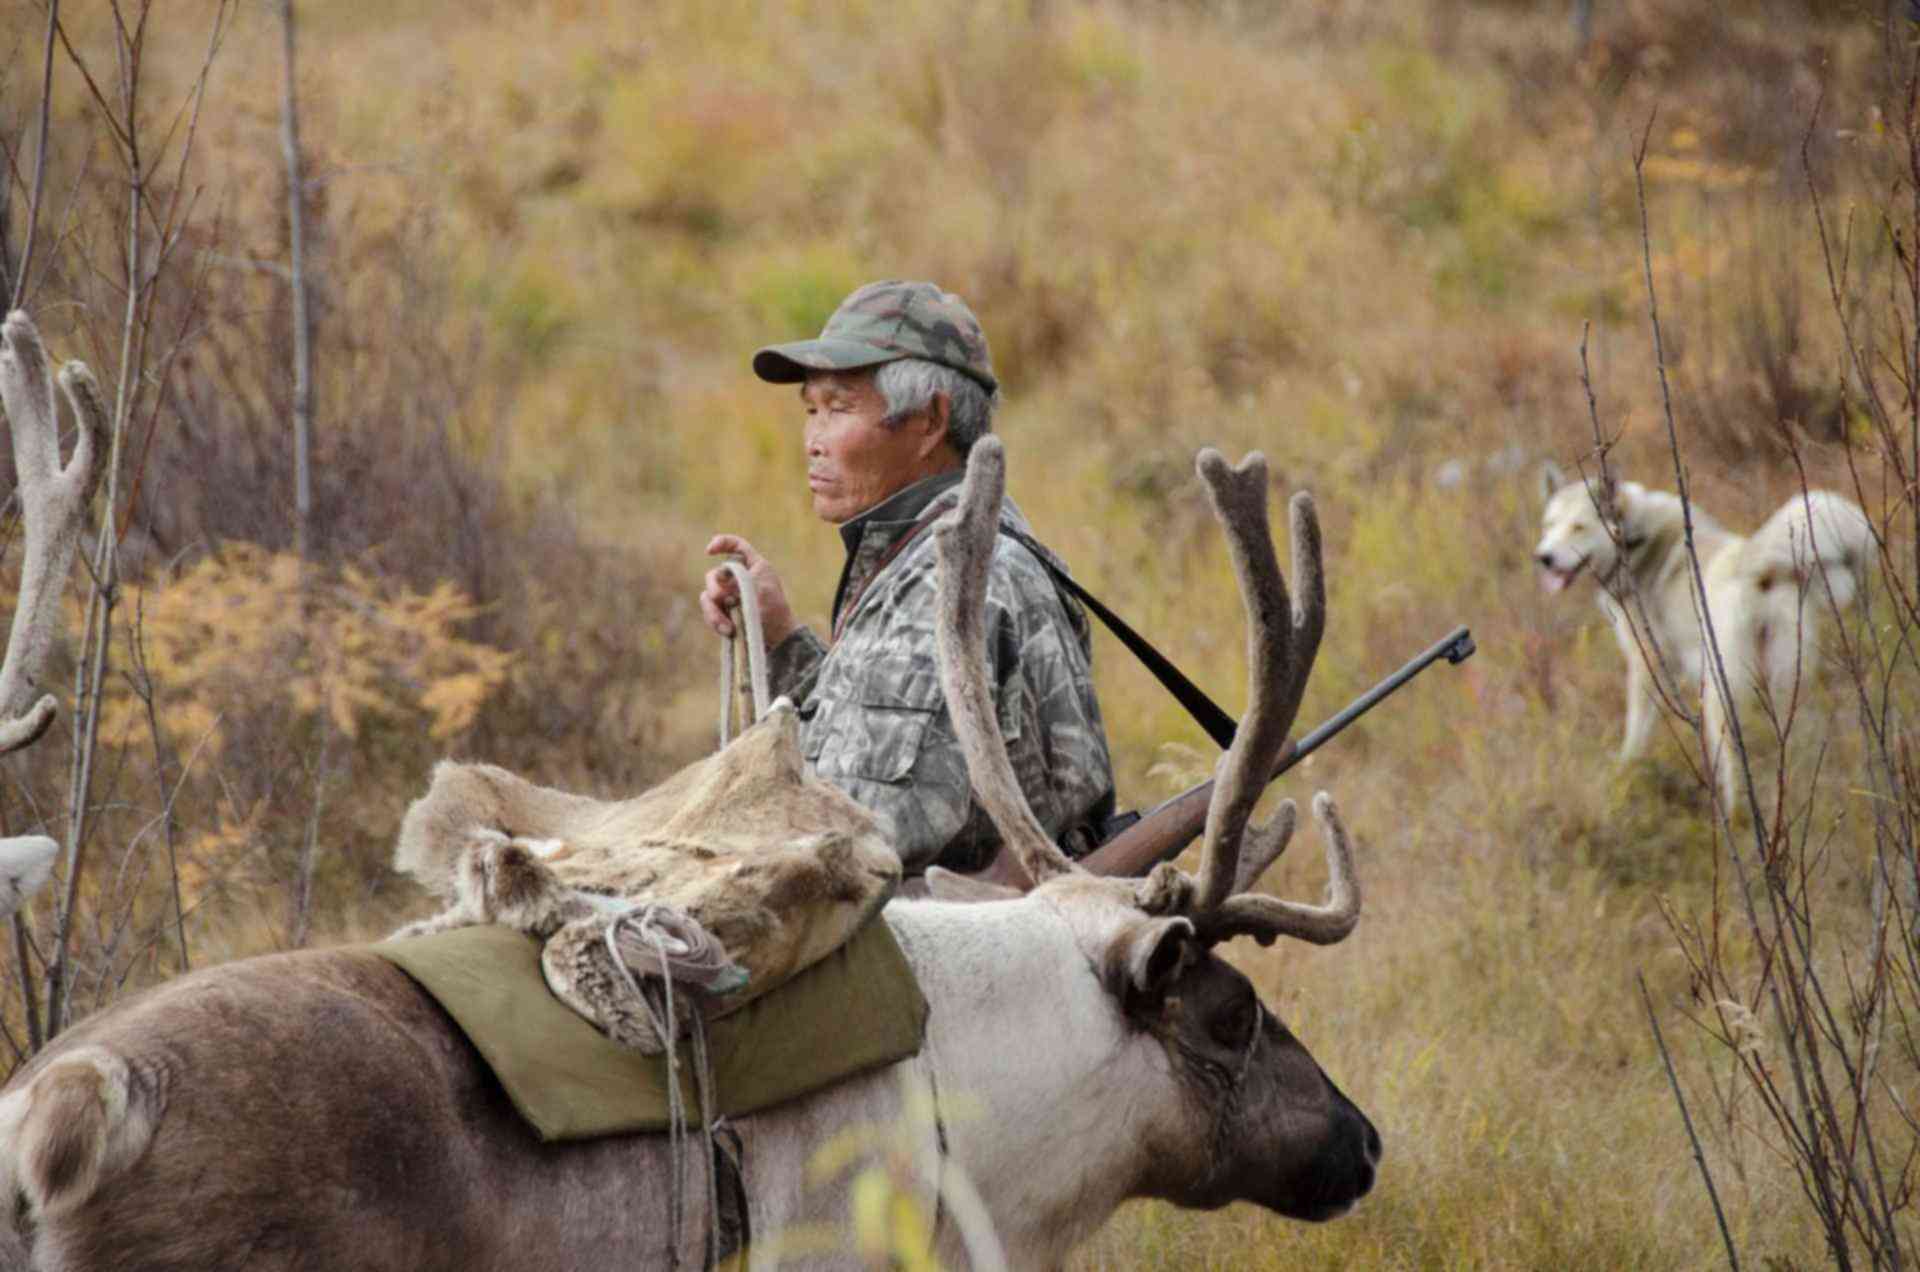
(675, 947)
(749, 631)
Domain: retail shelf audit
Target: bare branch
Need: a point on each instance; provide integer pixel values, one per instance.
(1699, 1158)
(8, 164)
(39, 159)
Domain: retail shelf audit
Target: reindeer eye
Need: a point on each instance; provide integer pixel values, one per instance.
(1233, 1025)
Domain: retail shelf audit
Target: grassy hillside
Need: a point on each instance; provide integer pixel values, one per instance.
(1374, 241)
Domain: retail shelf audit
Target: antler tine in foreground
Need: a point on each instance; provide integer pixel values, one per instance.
(964, 541)
(53, 503)
(1264, 917)
(1263, 846)
(1283, 635)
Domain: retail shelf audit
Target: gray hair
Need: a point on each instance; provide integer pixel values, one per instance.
(909, 384)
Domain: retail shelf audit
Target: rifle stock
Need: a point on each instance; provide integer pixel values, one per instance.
(1164, 833)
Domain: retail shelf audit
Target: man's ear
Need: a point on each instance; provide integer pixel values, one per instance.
(939, 415)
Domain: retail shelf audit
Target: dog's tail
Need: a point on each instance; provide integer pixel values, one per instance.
(1818, 543)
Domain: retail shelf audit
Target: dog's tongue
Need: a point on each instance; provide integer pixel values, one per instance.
(1553, 580)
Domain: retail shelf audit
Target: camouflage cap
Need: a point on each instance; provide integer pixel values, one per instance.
(883, 322)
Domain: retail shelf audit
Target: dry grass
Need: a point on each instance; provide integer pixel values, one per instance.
(1363, 238)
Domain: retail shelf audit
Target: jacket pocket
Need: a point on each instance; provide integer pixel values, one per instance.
(871, 741)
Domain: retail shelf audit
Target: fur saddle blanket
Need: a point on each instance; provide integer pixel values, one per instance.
(777, 866)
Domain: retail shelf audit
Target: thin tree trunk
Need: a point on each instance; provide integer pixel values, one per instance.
(302, 435)
(302, 313)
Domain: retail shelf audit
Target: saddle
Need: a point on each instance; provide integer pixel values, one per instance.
(780, 868)
(856, 1010)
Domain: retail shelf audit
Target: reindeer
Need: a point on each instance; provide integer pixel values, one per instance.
(1086, 1044)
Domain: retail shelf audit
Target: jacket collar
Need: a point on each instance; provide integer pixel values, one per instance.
(869, 536)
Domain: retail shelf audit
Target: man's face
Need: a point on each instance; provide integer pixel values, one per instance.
(853, 460)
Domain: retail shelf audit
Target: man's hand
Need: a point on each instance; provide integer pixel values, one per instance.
(722, 594)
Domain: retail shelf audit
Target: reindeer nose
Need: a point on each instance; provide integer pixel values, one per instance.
(1368, 1168)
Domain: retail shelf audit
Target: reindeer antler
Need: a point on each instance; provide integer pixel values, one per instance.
(1264, 918)
(1283, 636)
(963, 544)
(1282, 639)
(53, 502)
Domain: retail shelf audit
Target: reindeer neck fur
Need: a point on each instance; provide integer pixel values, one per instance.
(1034, 1061)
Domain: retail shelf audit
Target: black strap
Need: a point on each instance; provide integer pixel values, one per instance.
(734, 1223)
(1219, 725)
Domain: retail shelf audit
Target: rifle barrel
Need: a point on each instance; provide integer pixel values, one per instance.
(1456, 647)
(1163, 832)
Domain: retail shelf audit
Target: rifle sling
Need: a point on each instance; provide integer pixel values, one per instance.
(1218, 724)
(1206, 713)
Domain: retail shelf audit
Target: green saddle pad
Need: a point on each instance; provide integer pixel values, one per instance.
(856, 1009)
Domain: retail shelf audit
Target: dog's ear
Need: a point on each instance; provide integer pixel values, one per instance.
(1551, 480)
(1620, 497)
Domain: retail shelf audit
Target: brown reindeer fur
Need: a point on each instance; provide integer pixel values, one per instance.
(780, 867)
(264, 1100)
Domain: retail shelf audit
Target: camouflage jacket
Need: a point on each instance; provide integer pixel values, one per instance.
(874, 718)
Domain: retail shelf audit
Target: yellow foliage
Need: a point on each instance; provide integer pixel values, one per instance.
(217, 856)
(237, 632)
(1700, 172)
(890, 1229)
(887, 1224)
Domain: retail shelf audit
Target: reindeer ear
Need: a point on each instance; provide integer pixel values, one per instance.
(1147, 959)
(947, 885)
(1551, 479)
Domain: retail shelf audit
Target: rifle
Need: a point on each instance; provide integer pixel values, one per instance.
(1163, 832)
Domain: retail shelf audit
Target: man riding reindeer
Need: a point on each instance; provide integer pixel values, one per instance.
(896, 390)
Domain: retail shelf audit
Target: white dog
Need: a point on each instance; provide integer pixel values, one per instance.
(1766, 594)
